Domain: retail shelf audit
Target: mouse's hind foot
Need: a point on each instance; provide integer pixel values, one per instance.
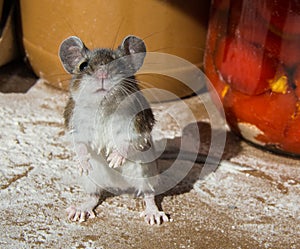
(151, 213)
(84, 211)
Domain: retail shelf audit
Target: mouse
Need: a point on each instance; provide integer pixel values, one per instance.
(110, 122)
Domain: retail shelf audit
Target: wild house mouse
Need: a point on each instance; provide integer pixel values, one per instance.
(110, 122)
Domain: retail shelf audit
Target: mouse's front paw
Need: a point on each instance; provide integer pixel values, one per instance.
(84, 165)
(83, 157)
(154, 217)
(115, 159)
(78, 214)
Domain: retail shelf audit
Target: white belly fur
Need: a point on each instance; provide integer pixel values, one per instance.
(99, 133)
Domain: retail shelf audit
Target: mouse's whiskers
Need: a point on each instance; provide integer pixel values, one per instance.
(145, 85)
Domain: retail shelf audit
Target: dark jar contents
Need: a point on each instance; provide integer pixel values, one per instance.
(253, 61)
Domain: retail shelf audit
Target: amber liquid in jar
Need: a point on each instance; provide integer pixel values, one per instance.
(253, 61)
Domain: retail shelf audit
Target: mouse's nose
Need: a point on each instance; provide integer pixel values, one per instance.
(101, 74)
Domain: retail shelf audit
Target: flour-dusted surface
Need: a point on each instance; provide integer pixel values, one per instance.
(252, 201)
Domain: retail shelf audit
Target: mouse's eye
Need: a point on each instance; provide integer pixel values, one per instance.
(83, 66)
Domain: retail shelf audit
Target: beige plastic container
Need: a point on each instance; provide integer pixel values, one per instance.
(175, 27)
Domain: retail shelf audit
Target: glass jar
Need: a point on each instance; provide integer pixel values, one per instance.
(253, 61)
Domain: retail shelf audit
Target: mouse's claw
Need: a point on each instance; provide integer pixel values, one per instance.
(76, 214)
(155, 217)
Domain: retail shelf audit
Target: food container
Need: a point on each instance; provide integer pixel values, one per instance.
(253, 61)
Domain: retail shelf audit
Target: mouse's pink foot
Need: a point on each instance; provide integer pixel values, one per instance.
(84, 211)
(115, 159)
(154, 217)
(77, 214)
(151, 214)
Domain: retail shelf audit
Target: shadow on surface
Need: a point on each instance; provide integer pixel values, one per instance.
(196, 172)
(16, 77)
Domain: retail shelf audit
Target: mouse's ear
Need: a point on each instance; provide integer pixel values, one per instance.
(134, 46)
(71, 52)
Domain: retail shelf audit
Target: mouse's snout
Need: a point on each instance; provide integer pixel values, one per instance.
(101, 73)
